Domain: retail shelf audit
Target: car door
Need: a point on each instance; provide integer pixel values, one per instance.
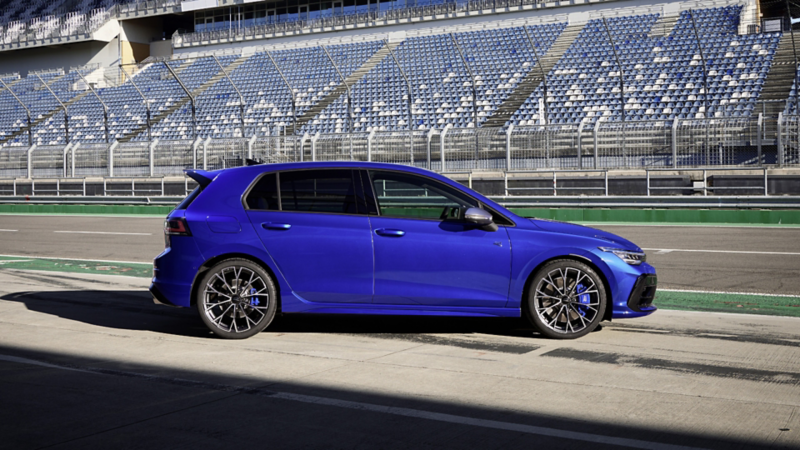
(314, 225)
(426, 255)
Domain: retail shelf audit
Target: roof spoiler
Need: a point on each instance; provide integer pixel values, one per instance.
(202, 177)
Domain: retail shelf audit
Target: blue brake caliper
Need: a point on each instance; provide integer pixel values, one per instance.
(254, 300)
(584, 299)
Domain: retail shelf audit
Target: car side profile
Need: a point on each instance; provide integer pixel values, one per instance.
(369, 238)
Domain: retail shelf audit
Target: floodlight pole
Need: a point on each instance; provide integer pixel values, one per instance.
(105, 108)
(291, 92)
(27, 112)
(705, 70)
(189, 94)
(541, 69)
(349, 96)
(63, 107)
(241, 97)
(474, 88)
(144, 99)
(794, 50)
(408, 83)
(619, 65)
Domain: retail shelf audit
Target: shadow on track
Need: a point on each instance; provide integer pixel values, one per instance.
(135, 310)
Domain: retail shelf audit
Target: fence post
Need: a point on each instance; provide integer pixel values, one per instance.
(250, 145)
(580, 143)
(758, 136)
(596, 133)
(64, 161)
(675, 143)
(152, 156)
(441, 144)
(302, 146)
(72, 168)
(111, 149)
(30, 161)
(429, 136)
(205, 153)
(195, 146)
(780, 139)
(369, 145)
(314, 147)
(509, 130)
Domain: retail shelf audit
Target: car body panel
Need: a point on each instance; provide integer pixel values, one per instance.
(440, 263)
(471, 286)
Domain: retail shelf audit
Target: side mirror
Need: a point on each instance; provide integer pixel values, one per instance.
(480, 217)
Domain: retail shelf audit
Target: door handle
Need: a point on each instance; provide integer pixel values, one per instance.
(276, 226)
(390, 232)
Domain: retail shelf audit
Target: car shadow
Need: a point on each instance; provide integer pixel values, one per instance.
(135, 310)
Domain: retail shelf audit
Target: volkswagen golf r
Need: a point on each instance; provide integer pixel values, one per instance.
(369, 238)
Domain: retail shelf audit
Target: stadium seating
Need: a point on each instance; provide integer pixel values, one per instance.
(663, 77)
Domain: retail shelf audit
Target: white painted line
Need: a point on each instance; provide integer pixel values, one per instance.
(404, 412)
(471, 421)
(692, 250)
(120, 216)
(9, 230)
(734, 293)
(76, 259)
(104, 232)
(692, 225)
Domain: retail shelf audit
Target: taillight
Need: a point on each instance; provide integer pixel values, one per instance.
(176, 227)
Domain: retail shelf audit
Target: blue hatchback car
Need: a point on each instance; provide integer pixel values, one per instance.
(368, 238)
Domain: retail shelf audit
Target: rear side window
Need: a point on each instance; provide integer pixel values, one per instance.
(264, 194)
(324, 190)
(329, 190)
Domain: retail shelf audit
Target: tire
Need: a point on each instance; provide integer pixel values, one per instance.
(565, 314)
(236, 299)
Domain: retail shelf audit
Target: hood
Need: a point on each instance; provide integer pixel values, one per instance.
(555, 226)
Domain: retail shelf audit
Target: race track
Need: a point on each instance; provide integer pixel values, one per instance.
(88, 361)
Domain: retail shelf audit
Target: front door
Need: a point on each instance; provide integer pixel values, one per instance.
(317, 232)
(426, 255)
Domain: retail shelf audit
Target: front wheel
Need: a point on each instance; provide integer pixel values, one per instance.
(236, 299)
(566, 299)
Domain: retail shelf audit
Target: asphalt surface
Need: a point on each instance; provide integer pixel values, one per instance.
(87, 361)
(730, 259)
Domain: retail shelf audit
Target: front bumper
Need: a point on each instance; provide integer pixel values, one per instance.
(643, 293)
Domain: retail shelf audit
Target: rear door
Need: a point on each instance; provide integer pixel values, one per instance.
(314, 225)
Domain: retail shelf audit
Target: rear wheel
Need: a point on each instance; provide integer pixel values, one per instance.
(236, 299)
(566, 299)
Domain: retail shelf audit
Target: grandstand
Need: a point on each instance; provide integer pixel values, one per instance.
(475, 86)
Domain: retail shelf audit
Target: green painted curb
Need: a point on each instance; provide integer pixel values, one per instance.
(728, 303)
(143, 270)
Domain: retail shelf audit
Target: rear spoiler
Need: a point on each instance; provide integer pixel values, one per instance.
(202, 177)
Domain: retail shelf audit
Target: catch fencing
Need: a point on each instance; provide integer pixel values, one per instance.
(678, 144)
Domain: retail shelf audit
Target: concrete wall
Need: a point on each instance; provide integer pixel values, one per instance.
(61, 56)
(161, 48)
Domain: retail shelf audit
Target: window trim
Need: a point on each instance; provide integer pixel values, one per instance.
(277, 173)
(481, 204)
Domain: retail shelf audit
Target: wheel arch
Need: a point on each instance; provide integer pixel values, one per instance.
(211, 262)
(574, 257)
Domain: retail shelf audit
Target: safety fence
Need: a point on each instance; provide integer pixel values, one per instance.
(662, 144)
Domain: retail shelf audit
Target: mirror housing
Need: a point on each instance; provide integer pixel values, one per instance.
(480, 217)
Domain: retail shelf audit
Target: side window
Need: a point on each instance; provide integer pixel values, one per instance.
(322, 190)
(264, 194)
(415, 197)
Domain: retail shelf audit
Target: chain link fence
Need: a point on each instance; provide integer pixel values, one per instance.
(692, 143)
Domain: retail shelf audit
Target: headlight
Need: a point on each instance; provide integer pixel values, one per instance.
(632, 258)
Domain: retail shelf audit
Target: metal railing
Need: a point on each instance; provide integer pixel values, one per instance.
(650, 145)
